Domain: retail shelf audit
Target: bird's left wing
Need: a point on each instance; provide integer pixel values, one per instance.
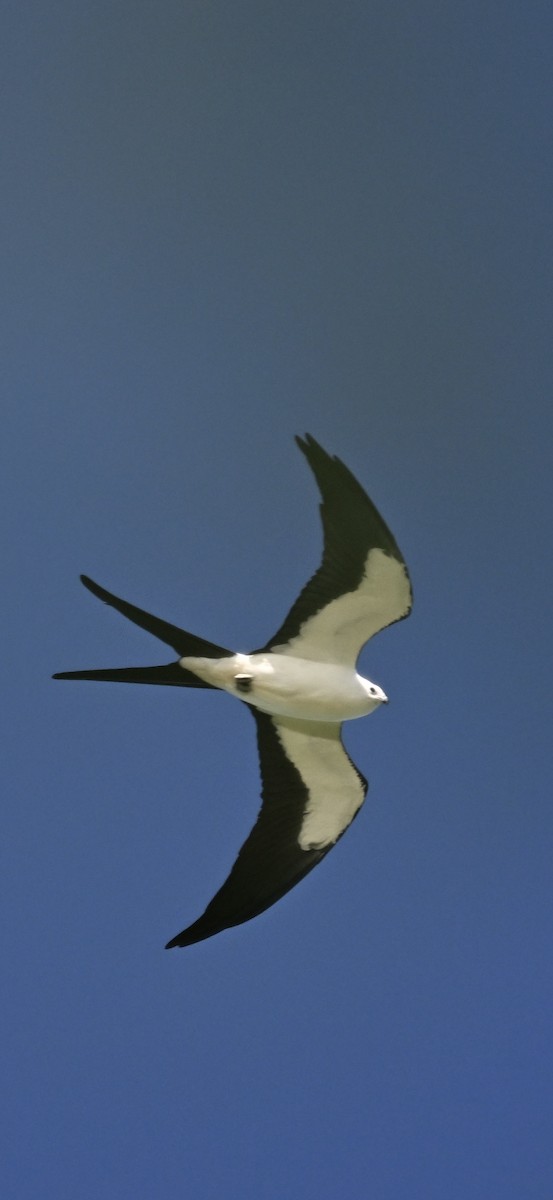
(311, 792)
(362, 584)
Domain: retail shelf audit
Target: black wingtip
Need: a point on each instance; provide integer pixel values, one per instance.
(315, 453)
(95, 588)
(306, 442)
(181, 940)
(198, 931)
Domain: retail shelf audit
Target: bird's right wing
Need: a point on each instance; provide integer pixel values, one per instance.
(311, 792)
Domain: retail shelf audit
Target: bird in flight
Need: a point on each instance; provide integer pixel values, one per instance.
(300, 687)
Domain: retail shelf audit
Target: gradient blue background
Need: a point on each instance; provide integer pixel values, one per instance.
(223, 224)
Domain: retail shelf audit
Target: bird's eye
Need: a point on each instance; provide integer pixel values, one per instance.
(373, 691)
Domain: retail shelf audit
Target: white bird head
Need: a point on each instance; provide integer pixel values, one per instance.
(375, 694)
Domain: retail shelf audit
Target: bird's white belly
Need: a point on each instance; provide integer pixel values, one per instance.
(288, 687)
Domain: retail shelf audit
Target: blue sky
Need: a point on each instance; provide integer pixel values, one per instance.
(225, 224)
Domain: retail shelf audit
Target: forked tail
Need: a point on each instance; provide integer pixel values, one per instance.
(171, 673)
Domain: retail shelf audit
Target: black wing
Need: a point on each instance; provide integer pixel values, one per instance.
(362, 584)
(310, 793)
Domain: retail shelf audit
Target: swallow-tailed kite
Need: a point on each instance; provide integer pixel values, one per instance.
(299, 688)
